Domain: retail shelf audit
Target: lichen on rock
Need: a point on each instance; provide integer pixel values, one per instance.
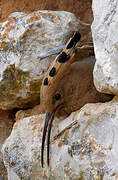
(83, 145)
(86, 148)
(22, 38)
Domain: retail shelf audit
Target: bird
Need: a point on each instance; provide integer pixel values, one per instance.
(67, 86)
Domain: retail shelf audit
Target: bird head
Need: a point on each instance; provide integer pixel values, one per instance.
(51, 96)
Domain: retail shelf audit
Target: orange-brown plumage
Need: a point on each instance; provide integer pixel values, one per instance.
(60, 93)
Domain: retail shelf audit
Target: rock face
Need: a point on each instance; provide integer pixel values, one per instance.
(22, 38)
(86, 148)
(104, 30)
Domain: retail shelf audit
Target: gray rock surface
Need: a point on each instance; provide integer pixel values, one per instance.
(105, 37)
(22, 38)
(86, 149)
(12, 175)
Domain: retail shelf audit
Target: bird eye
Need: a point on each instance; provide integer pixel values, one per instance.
(57, 96)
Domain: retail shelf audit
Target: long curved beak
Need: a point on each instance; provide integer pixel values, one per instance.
(47, 126)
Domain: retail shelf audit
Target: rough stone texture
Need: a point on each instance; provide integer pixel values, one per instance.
(6, 123)
(82, 8)
(104, 30)
(22, 38)
(86, 149)
(12, 175)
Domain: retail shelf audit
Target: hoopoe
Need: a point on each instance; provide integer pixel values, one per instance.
(54, 98)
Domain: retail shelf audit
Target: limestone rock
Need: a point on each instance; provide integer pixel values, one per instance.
(104, 30)
(86, 148)
(22, 38)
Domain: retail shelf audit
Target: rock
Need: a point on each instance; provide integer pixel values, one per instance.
(6, 123)
(85, 148)
(104, 30)
(12, 175)
(22, 38)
